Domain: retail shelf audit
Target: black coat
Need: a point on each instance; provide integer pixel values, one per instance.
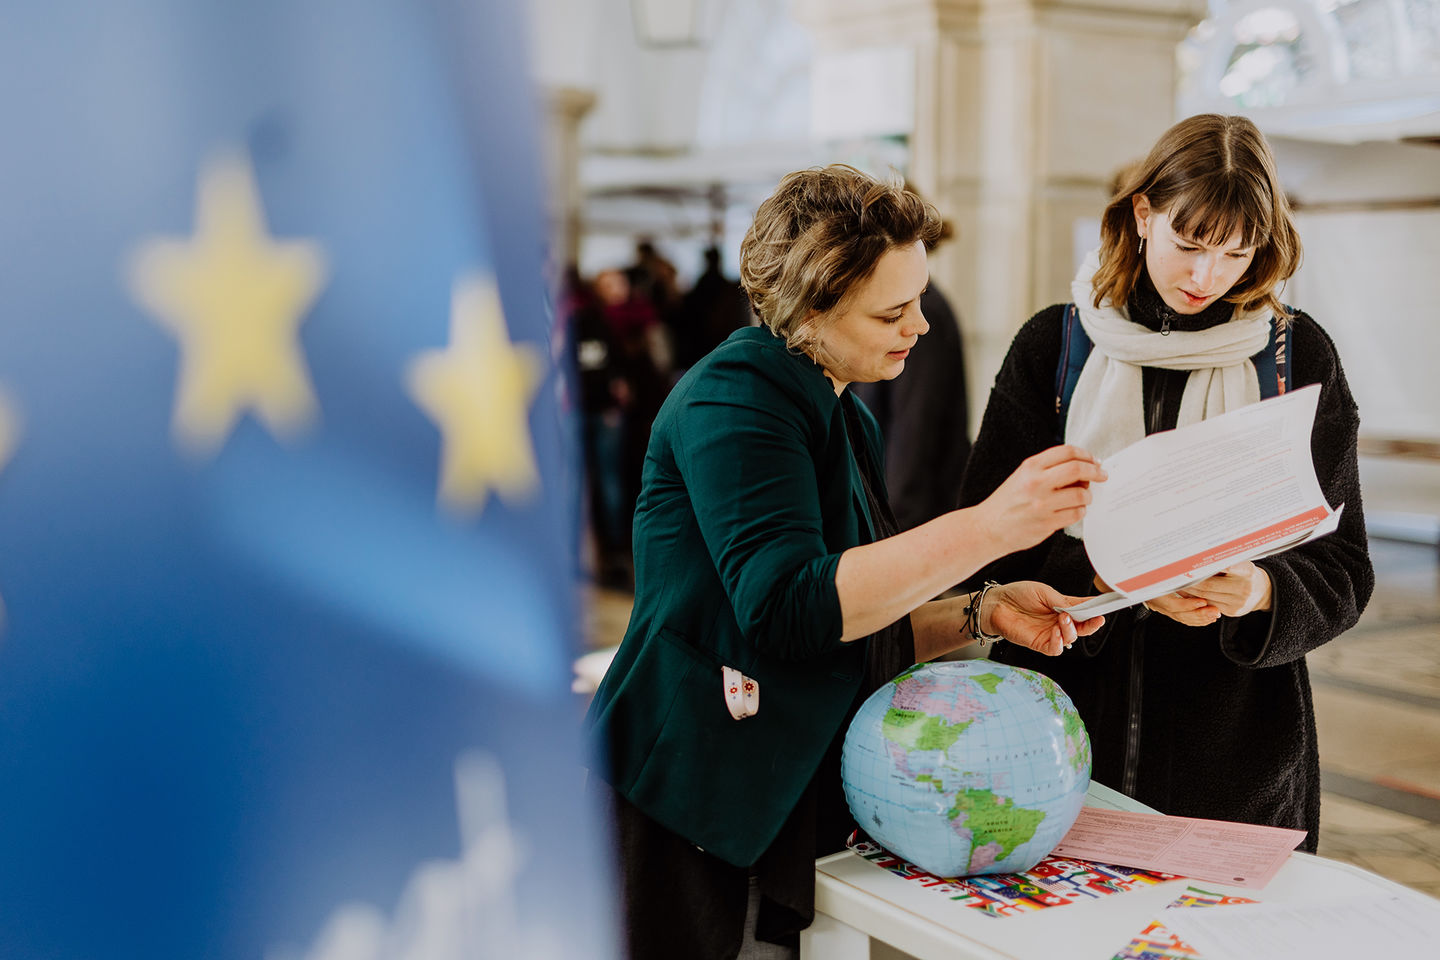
(1213, 721)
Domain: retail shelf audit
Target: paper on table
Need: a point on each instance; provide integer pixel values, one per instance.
(1214, 850)
(1185, 504)
(1366, 926)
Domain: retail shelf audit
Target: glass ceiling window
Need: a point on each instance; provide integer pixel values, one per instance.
(1269, 60)
(1422, 18)
(1339, 69)
(1368, 28)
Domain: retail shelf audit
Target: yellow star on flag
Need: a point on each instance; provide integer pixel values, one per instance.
(478, 391)
(234, 298)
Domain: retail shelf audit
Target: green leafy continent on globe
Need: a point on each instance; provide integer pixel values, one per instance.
(1051, 690)
(988, 680)
(906, 675)
(1075, 733)
(914, 730)
(993, 819)
(1074, 728)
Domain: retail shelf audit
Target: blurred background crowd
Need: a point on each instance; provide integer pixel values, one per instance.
(634, 330)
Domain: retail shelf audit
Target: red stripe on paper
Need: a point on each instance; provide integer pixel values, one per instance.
(1256, 538)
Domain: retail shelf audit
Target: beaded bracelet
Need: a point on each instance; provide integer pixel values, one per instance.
(972, 617)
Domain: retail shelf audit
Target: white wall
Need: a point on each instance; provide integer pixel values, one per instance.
(1370, 222)
(562, 48)
(749, 82)
(1370, 273)
(1371, 279)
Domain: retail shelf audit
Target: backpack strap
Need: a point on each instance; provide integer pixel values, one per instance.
(1272, 365)
(1075, 347)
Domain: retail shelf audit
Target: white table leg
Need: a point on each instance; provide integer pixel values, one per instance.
(829, 939)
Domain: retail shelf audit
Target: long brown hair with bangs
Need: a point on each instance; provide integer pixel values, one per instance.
(1215, 176)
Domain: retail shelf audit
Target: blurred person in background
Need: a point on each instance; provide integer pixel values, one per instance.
(712, 309)
(604, 393)
(654, 278)
(768, 559)
(1198, 702)
(634, 327)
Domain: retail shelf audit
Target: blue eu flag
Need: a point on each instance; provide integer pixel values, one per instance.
(283, 515)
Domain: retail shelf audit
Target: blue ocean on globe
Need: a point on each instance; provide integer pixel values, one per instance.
(967, 767)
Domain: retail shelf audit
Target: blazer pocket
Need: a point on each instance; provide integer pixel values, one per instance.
(695, 650)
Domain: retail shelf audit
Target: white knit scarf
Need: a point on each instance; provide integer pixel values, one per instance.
(1107, 408)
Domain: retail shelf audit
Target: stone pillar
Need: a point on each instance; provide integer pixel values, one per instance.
(564, 108)
(1023, 110)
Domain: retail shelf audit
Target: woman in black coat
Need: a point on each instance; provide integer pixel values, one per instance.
(1198, 702)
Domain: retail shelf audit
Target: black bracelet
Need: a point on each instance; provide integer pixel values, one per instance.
(972, 617)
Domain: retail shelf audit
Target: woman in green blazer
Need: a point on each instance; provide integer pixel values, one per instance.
(772, 591)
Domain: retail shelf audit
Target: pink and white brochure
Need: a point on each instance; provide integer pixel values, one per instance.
(1217, 851)
(1182, 505)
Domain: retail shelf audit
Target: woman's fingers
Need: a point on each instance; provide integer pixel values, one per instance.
(1059, 454)
(1211, 590)
(1191, 611)
(1048, 491)
(1071, 472)
(1062, 498)
(1235, 591)
(1176, 602)
(1027, 615)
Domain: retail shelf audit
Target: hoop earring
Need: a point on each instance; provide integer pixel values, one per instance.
(1141, 250)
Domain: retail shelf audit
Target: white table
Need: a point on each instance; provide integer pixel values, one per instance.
(857, 902)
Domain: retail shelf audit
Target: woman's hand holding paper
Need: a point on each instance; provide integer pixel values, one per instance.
(1233, 592)
(1024, 613)
(1237, 590)
(1047, 492)
(1183, 608)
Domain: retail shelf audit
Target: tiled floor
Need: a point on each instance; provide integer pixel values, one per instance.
(1377, 698)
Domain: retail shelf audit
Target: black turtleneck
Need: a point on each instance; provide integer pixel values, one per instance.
(1146, 307)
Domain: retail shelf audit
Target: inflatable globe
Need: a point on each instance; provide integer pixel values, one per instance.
(967, 767)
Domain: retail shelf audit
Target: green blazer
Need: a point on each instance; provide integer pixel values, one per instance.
(750, 494)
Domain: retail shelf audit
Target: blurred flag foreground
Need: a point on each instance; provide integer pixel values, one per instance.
(283, 511)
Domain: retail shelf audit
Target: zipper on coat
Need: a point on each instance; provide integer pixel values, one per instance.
(1155, 407)
(1135, 696)
(1135, 701)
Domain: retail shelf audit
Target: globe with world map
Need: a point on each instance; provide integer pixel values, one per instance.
(967, 767)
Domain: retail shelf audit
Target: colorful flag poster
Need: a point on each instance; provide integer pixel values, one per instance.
(286, 517)
(1053, 882)
(1157, 942)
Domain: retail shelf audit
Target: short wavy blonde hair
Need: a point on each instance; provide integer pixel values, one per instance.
(1215, 176)
(818, 236)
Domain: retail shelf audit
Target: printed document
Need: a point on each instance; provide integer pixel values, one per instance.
(1216, 850)
(1182, 505)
